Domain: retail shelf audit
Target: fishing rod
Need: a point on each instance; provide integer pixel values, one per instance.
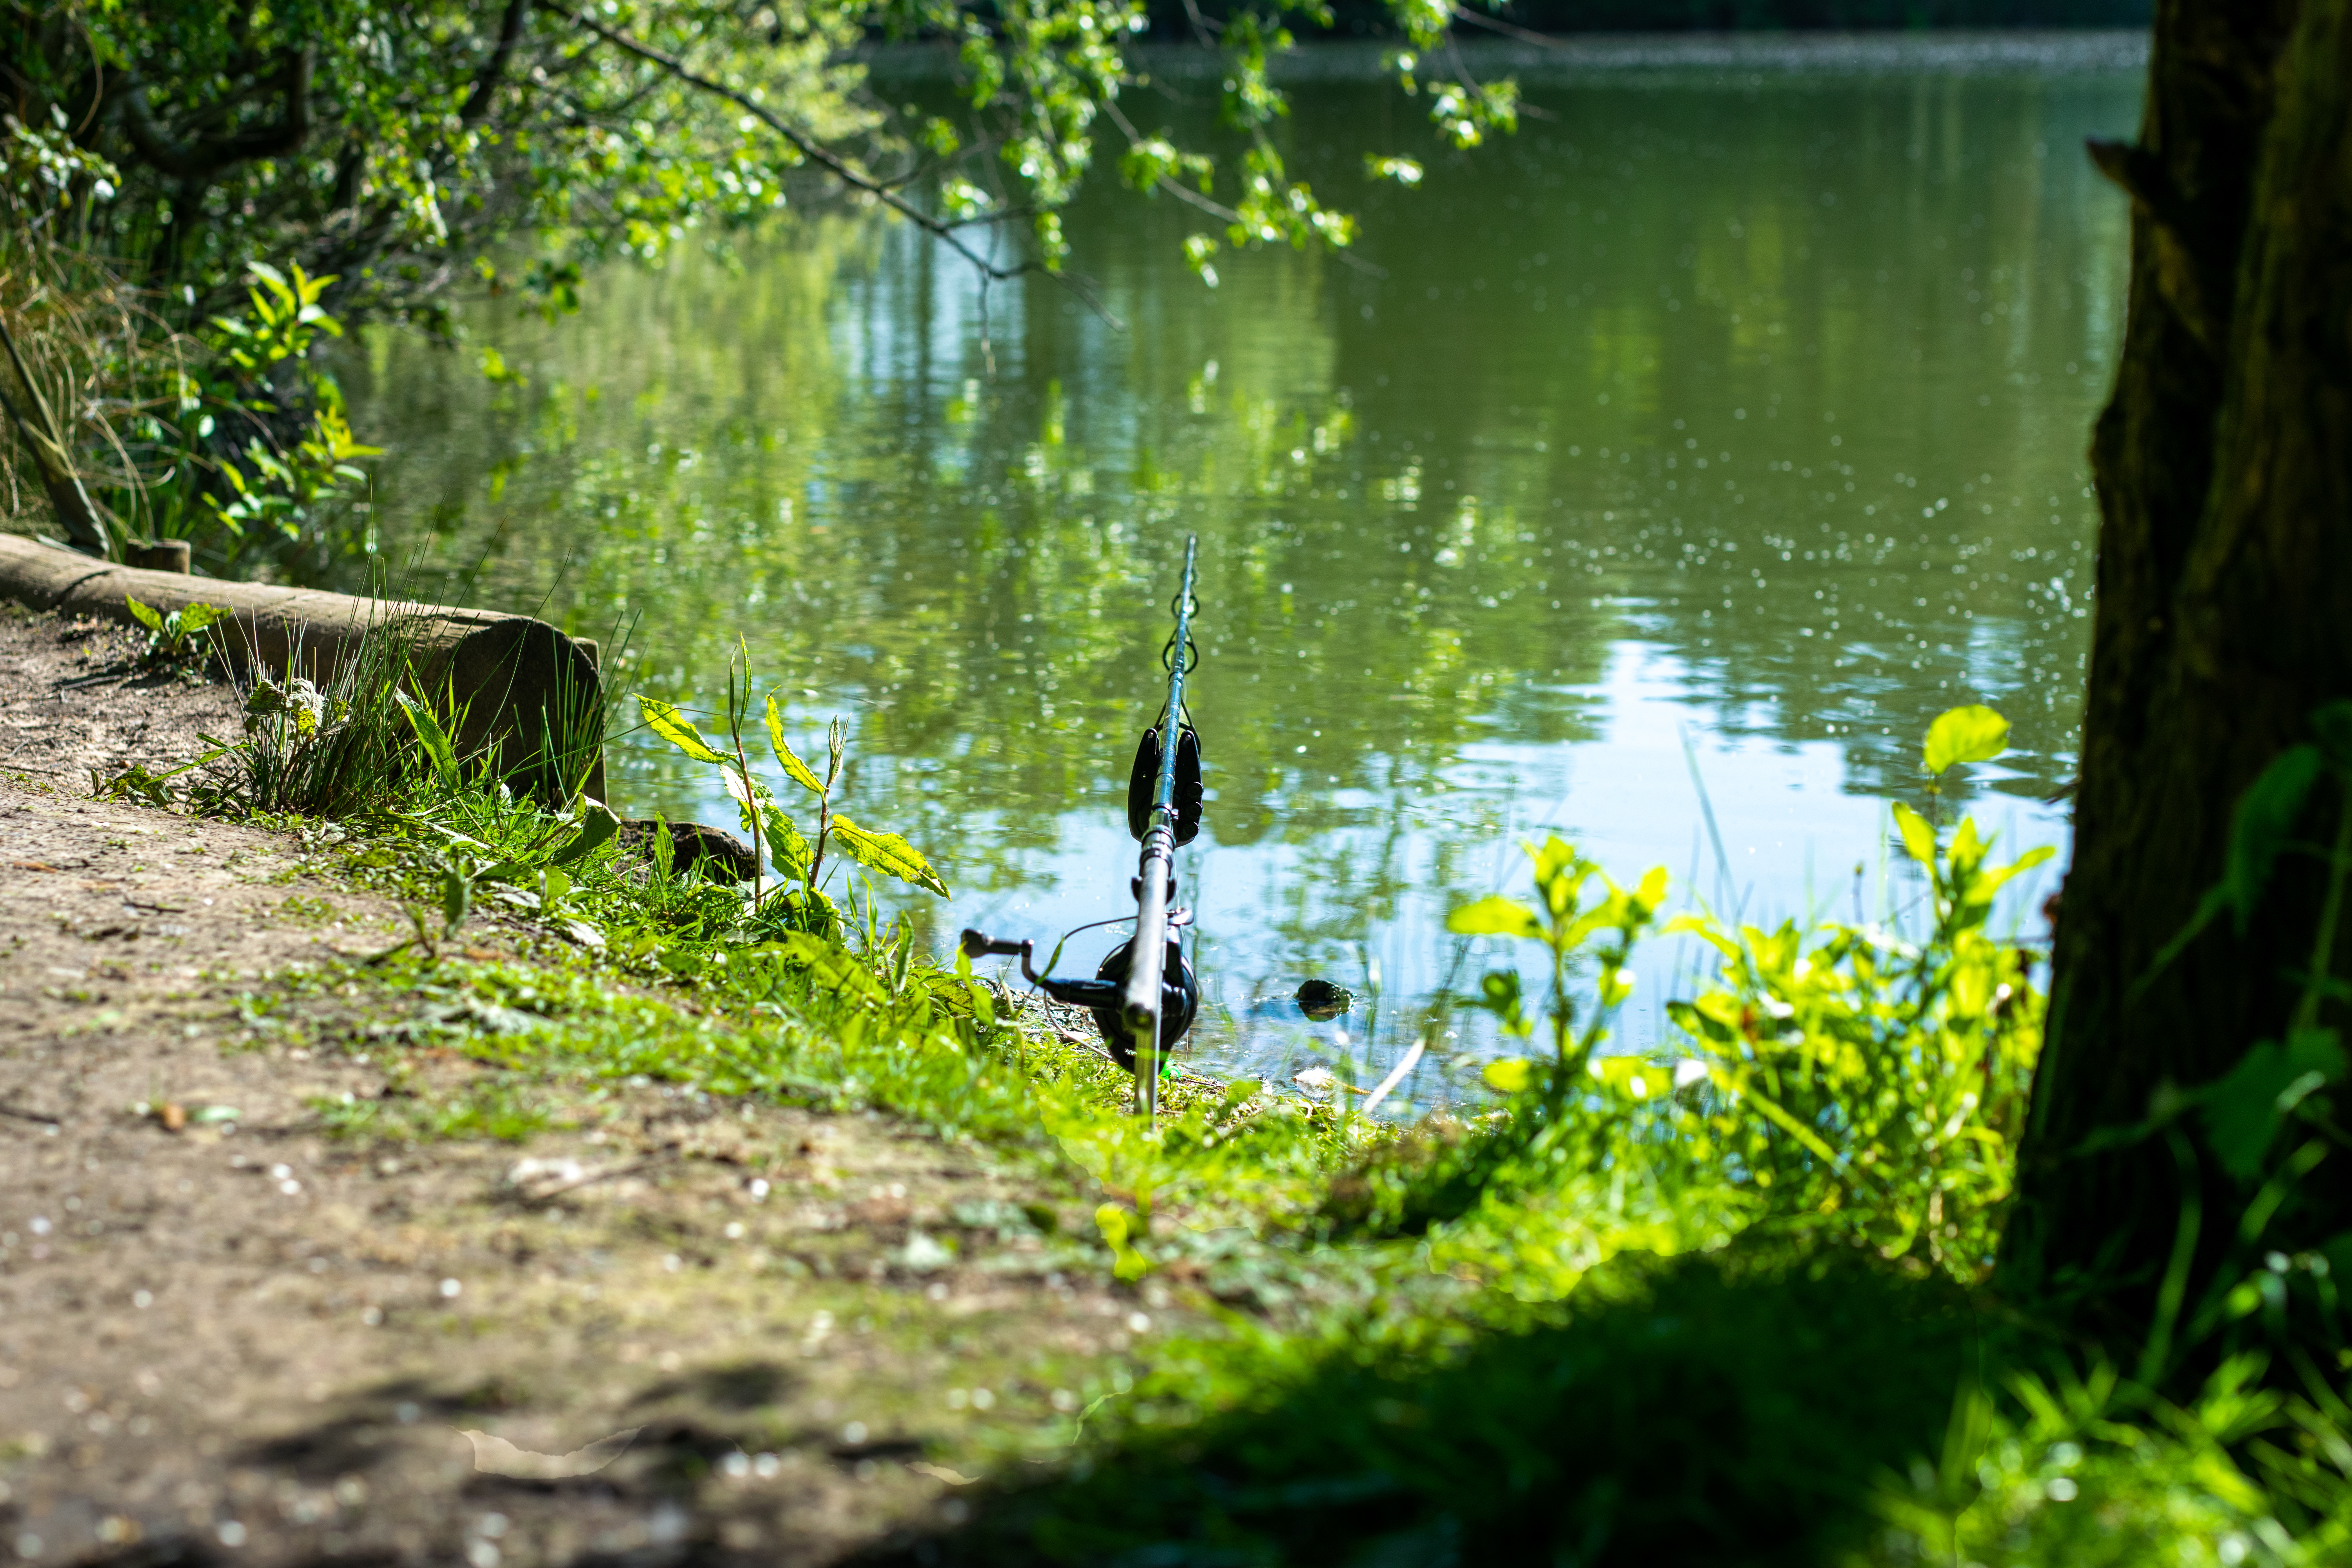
(1144, 993)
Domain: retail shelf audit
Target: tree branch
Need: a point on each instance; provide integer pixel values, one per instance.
(1176, 188)
(1509, 29)
(494, 70)
(202, 158)
(816, 152)
(1472, 84)
(1205, 28)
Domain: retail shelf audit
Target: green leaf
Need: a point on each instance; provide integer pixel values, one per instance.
(2259, 828)
(144, 615)
(887, 853)
(677, 729)
(2244, 1108)
(748, 793)
(1494, 916)
(788, 852)
(1972, 735)
(197, 617)
(456, 897)
(794, 769)
(598, 826)
(1499, 993)
(664, 848)
(1510, 1075)
(430, 736)
(1636, 1076)
(1116, 1225)
(1917, 836)
(1703, 928)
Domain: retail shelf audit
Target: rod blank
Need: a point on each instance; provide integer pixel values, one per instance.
(1155, 873)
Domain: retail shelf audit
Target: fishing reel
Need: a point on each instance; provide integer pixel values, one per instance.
(1104, 996)
(1163, 811)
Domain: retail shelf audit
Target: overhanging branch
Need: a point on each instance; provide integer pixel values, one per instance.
(494, 70)
(202, 158)
(818, 152)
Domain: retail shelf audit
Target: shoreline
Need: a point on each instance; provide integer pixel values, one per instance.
(1644, 58)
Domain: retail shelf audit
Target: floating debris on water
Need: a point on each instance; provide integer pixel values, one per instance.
(1322, 1000)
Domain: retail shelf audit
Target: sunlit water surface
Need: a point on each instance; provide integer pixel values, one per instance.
(1714, 434)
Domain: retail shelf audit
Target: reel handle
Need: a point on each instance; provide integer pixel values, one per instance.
(978, 944)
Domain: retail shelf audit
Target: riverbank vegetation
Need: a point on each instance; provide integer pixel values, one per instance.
(1733, 1295)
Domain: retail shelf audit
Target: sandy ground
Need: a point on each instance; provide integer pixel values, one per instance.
(682, 1331)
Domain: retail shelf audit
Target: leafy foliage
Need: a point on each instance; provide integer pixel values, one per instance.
(402, 149)
(1565, 924)
(2086, 1468)
(171, 638)
(1879, 1086)
(352, 159)
(774, 835)
(1844, 1083)
(2266, 1283)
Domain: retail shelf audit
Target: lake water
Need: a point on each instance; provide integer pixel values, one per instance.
(1719, 429)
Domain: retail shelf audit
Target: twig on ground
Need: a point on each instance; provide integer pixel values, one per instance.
(590, 1178)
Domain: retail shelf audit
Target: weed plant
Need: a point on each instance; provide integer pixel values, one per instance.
(336, 750)
(175, 639)
(232, 435)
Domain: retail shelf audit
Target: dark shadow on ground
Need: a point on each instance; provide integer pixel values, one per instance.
(1707, 1410)
(1716, 1410)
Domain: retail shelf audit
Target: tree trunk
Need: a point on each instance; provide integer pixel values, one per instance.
(2224, 617)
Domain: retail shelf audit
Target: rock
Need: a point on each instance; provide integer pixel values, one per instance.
(1322, 1000)
(725, 857)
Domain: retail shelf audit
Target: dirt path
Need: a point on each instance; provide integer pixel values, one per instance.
(680, 1329)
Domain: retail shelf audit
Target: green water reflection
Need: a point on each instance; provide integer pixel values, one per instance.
(1753, 407)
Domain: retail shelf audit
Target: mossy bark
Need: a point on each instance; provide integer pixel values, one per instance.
(2223, 618)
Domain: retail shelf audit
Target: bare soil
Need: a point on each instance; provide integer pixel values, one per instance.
(682, 1330)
